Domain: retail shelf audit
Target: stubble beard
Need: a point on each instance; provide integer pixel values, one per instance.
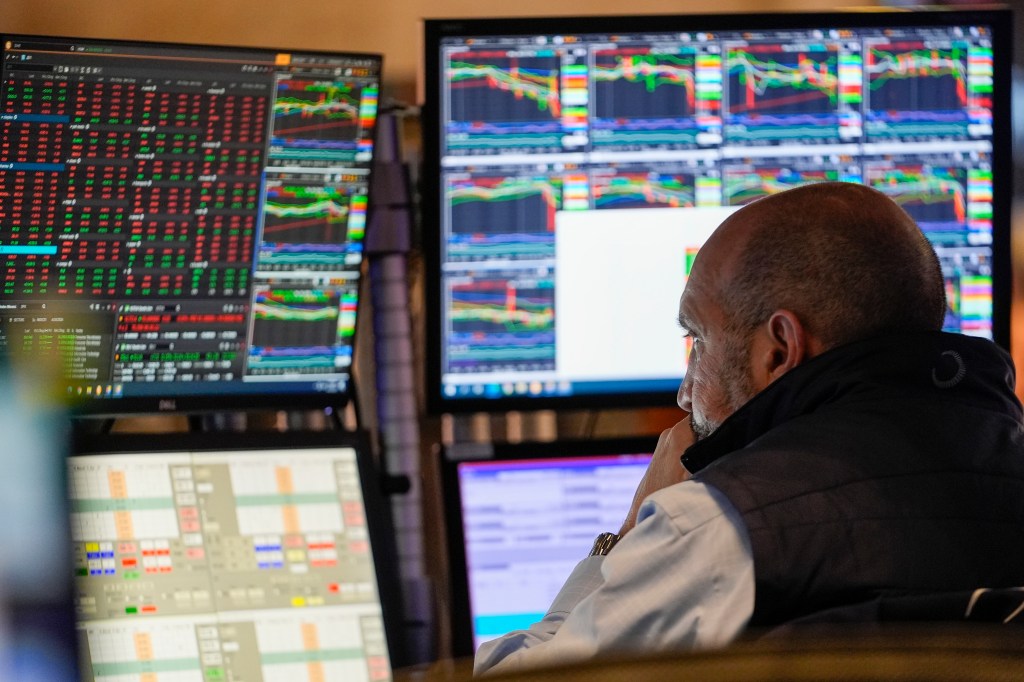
(702, 428)
(738, 388)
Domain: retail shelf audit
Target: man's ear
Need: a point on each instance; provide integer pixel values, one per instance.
(783, 344)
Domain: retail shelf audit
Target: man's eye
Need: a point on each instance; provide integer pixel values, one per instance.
(693, 343)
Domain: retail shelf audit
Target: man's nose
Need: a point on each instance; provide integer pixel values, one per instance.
(684, 395)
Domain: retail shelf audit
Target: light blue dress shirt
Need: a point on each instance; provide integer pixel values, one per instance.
(682, 579)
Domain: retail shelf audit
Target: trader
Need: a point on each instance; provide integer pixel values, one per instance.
(838, 451)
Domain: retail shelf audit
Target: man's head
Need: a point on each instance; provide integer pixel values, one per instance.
(792, 275)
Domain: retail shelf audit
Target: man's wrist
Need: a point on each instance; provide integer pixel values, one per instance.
(603, 544)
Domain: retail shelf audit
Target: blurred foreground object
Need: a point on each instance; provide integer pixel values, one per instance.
(37, 635)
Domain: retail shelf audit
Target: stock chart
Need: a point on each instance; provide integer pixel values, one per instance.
(498, 99)
(645, 97)
(778, 93)
(509, 217)
(503, 323)
(917, 90)
(547, 138)
(644, 190)
(150, 197)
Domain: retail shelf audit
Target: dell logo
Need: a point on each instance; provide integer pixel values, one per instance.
(167, 405)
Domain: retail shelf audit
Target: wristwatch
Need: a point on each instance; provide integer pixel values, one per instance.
(603, 544)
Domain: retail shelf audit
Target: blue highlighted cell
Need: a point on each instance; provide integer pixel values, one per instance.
(50, 167)
(18, 250)
(35, 118)
(488, 626)
(270, 564)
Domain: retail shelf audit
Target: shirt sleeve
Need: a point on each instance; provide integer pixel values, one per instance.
(682, 579)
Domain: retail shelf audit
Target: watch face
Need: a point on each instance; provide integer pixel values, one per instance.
(604, 543)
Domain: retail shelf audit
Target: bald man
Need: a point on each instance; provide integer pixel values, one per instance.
(839, 452)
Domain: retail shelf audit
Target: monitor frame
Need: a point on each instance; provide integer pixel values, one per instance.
(436, 30)
(454, 455)
(378, 513)
(181, 400)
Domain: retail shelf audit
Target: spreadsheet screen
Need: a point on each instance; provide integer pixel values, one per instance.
(527, 523)
(225, 565)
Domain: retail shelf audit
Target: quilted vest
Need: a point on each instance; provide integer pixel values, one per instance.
(887, 467)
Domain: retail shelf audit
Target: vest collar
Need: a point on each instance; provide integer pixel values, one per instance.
(966, 369)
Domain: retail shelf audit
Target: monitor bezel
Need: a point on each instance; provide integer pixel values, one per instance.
(453, 455)
(378, 512)
(182, 402)
(998, 18)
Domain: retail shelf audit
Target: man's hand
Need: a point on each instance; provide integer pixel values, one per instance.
(664, 469)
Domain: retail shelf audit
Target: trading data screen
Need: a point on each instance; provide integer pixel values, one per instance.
(580, 172)
(527, 523)
(181, 221)
(232, 565)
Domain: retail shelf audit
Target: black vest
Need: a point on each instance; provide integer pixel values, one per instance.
(893, 466)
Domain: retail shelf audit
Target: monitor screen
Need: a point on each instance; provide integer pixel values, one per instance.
(576, 165)
(520, 517)
(265, 559)
(184, 224)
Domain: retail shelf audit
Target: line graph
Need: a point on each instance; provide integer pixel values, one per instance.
(914, 89)
(296, 318)
(934, 196)
(643, 190)
(783, 82)
(654, 95)
(477, 79)
(502, 323)
(502, 99)
(632, 83)
(322, 114)
(302, 331)
(775, 93)
(303, 214)
(313, 221)
(503, 217)
(744, 185)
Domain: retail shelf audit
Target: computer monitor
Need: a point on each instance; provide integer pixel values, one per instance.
(230, 556)
(519, 517)
(575, 165)
(183, 224)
